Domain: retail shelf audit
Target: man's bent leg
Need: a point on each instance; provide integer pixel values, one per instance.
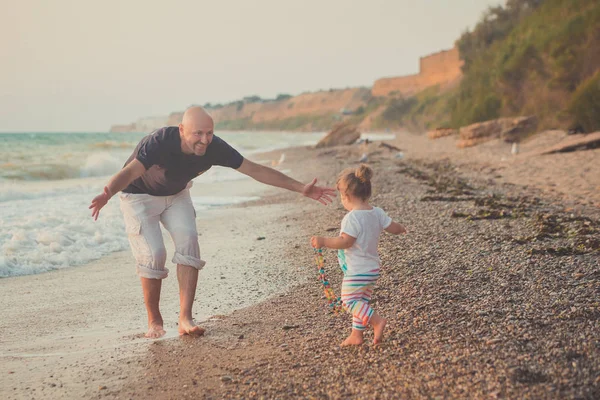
(188, 280)
(151, 288)
(180, 220)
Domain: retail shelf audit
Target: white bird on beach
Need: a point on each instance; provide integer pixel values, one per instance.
(515, 149)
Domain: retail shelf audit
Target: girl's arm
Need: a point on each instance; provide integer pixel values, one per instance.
(343, 241)
(395, 228)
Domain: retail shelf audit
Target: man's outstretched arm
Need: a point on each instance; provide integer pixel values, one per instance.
(118, 182)
(273, 177)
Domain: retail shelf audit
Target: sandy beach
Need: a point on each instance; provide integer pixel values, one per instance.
(62, 330)
(493, 294)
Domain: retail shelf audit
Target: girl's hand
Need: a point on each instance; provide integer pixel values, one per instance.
(316, 242)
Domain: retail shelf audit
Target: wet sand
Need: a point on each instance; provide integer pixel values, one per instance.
(493, 294)
(63, 331)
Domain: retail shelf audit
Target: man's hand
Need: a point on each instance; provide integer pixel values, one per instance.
(316, 242)
(124, 177)
(99, 202)
(273, 177)
(321, 194)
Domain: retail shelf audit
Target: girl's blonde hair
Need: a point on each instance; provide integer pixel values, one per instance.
(358, 181)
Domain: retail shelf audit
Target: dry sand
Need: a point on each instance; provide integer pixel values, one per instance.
(572, 177)
(494, 293)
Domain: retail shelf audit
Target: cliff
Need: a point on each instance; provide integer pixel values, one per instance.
(147, 124)
(442, 68)
(319, 110)
(306, 111)
(530, 57)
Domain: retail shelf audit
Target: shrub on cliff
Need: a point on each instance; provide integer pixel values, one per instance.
(397, 108)
(252, 99)
(283, 96)
(496, 23)
(584, 107)
(427, 109)
(530, 66)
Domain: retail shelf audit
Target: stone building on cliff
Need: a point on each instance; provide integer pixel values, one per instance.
(442, 68)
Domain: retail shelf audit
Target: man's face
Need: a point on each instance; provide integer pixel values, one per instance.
(197, 137)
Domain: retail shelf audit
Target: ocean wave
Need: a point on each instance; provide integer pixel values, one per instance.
(101, 164)
(55, 231)
(98, 164)
(52, 230)
(111, 144)
(37, 172)
(9, 194)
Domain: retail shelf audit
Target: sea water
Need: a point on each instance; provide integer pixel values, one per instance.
(47, 181)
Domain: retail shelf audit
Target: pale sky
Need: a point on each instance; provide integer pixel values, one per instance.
(83, 65)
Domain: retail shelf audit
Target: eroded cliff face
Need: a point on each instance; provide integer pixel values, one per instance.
(442, 68)
(318, 103)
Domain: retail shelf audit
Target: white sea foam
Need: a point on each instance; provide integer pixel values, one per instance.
(102, 164)
(43, 233)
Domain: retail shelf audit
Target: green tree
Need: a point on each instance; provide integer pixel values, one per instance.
(283, 96)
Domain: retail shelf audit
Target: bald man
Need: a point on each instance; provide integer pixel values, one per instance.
(154, 185)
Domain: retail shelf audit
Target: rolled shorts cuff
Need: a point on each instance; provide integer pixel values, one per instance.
(149, 273)
(188, 260)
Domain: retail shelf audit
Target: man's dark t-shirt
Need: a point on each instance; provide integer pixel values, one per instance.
(168, 169)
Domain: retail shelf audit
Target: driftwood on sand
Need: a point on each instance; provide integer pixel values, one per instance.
(441, 132)
(508, 129)
(389, 146)
(575, 142)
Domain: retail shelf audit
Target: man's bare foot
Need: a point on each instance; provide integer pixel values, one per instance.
(188, 327)
(155, 331)
(355, 339)
(378, 324)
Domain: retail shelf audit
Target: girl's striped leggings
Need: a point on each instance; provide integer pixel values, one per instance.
(356, 294)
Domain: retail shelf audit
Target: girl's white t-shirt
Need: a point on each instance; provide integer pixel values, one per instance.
(365, 226)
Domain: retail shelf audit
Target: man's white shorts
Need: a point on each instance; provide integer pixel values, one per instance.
(143, 214)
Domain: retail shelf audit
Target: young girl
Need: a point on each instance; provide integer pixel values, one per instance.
(357, 252)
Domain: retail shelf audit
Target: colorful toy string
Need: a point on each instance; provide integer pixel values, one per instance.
(333, 302)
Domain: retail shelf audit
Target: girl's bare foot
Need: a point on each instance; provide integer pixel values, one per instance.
(378, 324)
(188, 327)
(355, 339)
(155, 331)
